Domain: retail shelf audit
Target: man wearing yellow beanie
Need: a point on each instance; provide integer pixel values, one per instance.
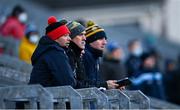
(96, 41)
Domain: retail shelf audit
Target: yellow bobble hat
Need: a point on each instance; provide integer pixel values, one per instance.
(94, 32)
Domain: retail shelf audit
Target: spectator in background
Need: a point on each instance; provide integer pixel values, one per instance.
(157, 56)
(14, 25)
(111, 67)
(28, 44)
(96, 41)
(149, 80)
(50, 63)
(170, 80)
(134, 61)
(176, 86)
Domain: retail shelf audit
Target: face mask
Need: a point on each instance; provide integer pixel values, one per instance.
(138, 51)
(34, 39)
(22, 17)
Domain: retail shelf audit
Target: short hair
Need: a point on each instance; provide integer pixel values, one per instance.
(17, 10)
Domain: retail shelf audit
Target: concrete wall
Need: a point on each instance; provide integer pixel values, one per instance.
(172, 15)
(161, 19)
(152, 21)
(148, 16)
(156, 17)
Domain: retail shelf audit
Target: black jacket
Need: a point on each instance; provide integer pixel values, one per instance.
(112, 69)
(91, 63)
(133, 64)
(51, 65)
(75, 59)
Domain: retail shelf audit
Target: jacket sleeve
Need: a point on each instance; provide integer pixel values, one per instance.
(60, 68)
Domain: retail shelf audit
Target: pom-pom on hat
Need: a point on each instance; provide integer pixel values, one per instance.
(51, 20)
(94, 32)
(56, 29)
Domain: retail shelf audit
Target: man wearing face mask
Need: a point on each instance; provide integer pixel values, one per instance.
(14, 26)
(50, 63)
(28, 44)
(134, 61)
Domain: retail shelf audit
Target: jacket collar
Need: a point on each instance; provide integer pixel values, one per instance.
(95, 52)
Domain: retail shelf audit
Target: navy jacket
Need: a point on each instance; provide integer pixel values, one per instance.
(112, 69)
(152, 86)
(133, 65)
(91, 63)
(51, 65)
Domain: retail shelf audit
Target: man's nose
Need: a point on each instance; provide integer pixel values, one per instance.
(83, 37)
(69, 38)
(105, 41)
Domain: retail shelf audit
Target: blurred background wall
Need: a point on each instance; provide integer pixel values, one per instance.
(122, 19)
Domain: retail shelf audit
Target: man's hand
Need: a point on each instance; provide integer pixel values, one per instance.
(121, 88)
(112, 84)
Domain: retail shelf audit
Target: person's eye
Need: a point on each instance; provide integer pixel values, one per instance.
(81, 34)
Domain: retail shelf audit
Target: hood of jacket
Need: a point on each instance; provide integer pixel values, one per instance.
(45, 44)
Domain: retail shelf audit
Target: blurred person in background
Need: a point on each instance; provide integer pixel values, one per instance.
(159, 60)
(177, 83)
(149, 80)
(112, 67)
(134, 61)
(150, 43)
(14, 26)
(170, 80)
(29, 43)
